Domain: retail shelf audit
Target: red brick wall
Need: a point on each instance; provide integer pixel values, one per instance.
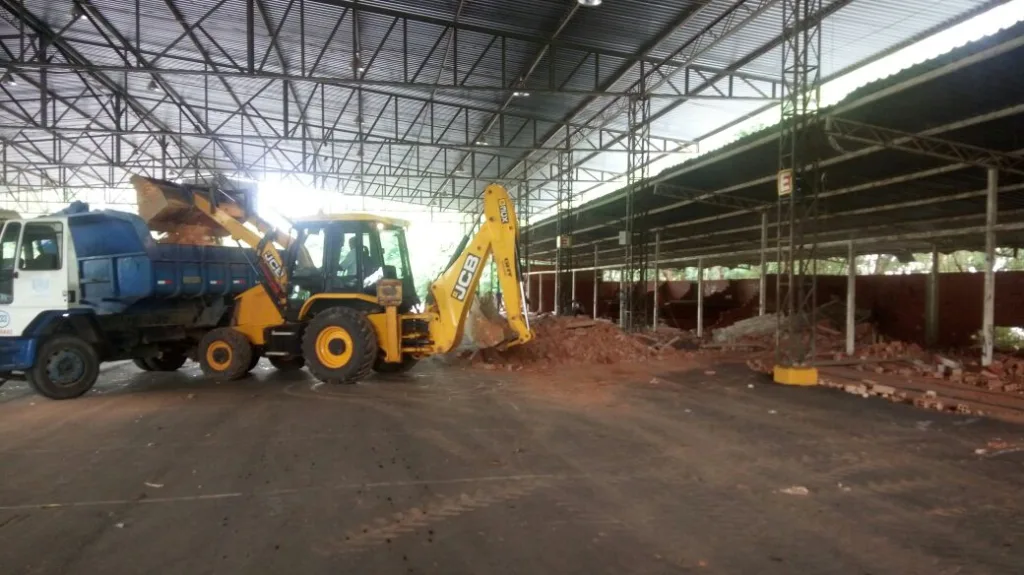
(897, 302)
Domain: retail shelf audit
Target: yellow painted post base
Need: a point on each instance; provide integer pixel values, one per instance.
(804, 376)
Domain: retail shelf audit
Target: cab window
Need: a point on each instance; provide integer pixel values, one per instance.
(41, 246)
(392, 243)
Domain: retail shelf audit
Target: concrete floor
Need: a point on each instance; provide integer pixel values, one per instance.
(452, 471)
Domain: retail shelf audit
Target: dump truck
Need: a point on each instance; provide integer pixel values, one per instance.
(335, 294)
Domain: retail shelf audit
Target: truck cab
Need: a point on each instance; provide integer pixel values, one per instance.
(34, 275)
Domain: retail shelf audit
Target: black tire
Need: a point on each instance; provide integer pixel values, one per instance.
(288, 363)
(407, 363)
(66, 367)
(339, 346)
(225, 354)
(168, 361)
(164, 362)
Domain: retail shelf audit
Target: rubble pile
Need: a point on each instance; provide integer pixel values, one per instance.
(567, 341)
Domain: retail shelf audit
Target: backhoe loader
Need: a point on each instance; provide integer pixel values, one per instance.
(336, 294)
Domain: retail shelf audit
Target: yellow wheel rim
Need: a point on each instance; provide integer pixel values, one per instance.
(333, 347)
(218, 355)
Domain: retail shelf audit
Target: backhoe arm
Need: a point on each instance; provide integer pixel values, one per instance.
(455, 288)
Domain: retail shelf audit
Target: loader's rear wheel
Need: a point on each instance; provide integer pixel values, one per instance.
(254, 361)
(225, 353)
(288, 363)
(407, 363)
(66, 367)
(339, 346)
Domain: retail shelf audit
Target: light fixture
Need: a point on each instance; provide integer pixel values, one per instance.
(152, 86)
(8, 80)
(459, 169)
(78, 12)
(481, 142)
(520, 94)
(589, 3)
(357, 63)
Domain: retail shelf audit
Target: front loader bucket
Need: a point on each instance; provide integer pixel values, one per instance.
(168, 208)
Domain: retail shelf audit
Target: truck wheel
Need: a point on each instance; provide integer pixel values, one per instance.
(339, 346)
(166, 362)
(287, 363)
(407, 363)
(66, 367)
(225, 353)
(143, 364)
(254, 361)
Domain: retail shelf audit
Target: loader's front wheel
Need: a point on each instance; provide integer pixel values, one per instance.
(66, 367)
(225, 353)
(339, 346)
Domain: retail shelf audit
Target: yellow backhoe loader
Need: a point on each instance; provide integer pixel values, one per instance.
(337, 293)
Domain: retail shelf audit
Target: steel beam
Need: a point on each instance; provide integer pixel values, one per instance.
(942, 149)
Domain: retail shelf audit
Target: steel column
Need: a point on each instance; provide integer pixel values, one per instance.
(529, 291)
(988, 315)
(540, 293)
(597, 280)
(798, 182)
(657, 276)
(851, 301)
(931, 318)
(762, 280)
(700, 298)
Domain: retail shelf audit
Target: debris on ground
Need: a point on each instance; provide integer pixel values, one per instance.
(565, 340)
(796, 490)
(743, 331)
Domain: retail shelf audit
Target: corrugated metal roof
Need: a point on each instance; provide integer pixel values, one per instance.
(423, 48)
(973, 98)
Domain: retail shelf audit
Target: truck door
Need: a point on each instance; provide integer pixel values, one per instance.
(40, 282)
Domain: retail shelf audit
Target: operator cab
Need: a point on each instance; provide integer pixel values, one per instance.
(348, 254)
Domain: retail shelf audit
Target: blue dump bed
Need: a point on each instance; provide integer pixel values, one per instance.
(120, 265)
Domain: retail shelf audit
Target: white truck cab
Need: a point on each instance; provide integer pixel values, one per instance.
(37, 271)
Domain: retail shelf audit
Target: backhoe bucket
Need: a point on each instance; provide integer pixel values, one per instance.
(485, 326)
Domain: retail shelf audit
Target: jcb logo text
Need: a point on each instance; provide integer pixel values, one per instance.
(465, 277)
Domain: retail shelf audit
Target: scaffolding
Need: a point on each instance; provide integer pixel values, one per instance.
(633, 238)
(564, 230)
(799, 183)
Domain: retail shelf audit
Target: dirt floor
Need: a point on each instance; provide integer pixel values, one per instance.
(672, 467)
